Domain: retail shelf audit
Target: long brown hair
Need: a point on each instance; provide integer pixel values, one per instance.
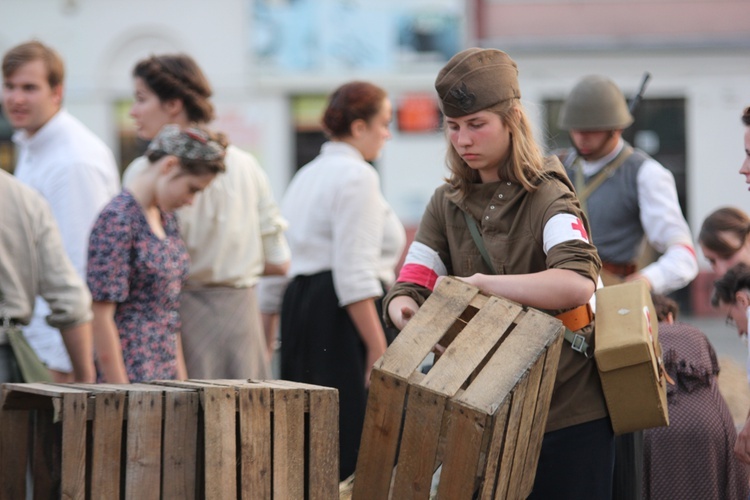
(525, 162)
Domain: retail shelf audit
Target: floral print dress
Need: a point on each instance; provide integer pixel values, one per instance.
(143, 274)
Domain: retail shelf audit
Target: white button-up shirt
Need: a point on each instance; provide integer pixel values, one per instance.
(339, 221)
(666, 229)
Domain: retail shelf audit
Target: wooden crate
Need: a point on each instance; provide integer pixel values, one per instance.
(480, 411)
(215, 439)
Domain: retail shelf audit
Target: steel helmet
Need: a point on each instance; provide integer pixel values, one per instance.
(595, 103)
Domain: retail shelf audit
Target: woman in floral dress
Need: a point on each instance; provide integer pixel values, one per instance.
(137, 261)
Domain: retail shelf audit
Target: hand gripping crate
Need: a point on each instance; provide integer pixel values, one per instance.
(221, 439)
(480, 411)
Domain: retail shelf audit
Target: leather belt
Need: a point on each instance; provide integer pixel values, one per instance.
(619, 269)
(577, 318)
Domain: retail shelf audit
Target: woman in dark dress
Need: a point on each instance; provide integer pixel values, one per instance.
(692, 457)
(137, 261)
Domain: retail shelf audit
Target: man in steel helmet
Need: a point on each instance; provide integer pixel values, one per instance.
(626, 195)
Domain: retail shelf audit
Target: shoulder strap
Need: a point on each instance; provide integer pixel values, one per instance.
(474, 230)
(584, 190)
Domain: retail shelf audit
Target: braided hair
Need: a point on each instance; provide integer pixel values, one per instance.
(178, 76)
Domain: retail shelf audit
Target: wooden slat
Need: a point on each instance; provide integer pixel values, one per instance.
(74, 413)
(462, 453)
(106, 435)
(512, 360)
(526, 428)
(425, 329)
(288, 443)
(471, 346)
(14, 435)
(377, 452)
(219, 410)
(255, 437)
(180, 444)
(143, 449)
(511, 439)
(495, 450)
(546, 385)
(416, 457)
(46, 458)
(39, 388)
(323, 458)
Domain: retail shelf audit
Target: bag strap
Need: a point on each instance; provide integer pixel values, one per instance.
(577, 341)
(583, 189)
(474, 230)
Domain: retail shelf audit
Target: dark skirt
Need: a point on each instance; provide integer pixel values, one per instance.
(320, 345)
(576, 463)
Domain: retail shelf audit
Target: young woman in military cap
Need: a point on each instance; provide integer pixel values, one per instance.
(536, 251)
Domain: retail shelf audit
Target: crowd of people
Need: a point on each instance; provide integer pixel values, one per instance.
(191, 269)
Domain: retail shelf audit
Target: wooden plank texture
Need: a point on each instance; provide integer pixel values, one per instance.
(255, 435)
(526, 428)
(180, 444)
(471, 346)
(419, 442)
(106, 448)
(546, 385)
(426, 328)
(143, 447)
(494, 453)
(14, 454)
(323, 458)
(219, 411)
(512, 427)
(46, 458)
(462, 454)
(74, 413)
(382, 426)
(512, 360)
(288, 443)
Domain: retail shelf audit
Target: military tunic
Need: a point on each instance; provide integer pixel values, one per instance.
(512, 223)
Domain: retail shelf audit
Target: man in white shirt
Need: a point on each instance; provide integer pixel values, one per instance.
(626, 193)
(64, 161)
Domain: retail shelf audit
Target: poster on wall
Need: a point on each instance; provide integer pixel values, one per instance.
(331, 35)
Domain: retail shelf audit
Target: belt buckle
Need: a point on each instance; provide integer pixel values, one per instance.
(579, 343)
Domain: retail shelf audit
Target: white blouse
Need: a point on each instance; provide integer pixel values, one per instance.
(340, 221)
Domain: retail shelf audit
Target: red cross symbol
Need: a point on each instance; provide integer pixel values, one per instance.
(578, 226)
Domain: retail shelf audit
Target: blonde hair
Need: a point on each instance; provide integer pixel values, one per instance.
(525, 162)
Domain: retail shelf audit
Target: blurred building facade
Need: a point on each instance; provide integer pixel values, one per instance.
(272, 62)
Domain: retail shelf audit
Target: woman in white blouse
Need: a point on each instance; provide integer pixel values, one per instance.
(345, 242)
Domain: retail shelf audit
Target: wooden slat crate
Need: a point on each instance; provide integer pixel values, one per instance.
(214, 439)
(480, 411)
